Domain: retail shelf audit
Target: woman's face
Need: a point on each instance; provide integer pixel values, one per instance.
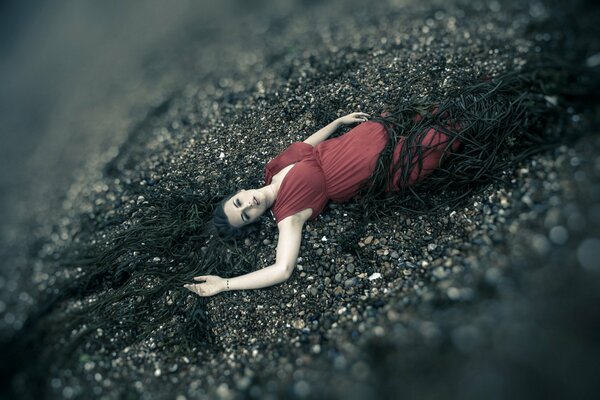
(245, 207)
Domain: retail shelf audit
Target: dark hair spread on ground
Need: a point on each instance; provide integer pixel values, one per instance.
(129, 283)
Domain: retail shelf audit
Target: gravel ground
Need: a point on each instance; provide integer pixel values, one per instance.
(497, 298)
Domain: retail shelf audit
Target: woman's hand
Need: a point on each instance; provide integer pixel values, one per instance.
(354, 117)
(209, 285)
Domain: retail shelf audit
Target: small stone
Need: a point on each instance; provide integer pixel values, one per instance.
(350, 282)
(338, 291)
(453, 293)
(588, 254)
(313, 290)
(350, 268)
(540, 243)
(374, 276)
(368, 240)
(243, 383)
(298, 324)
(559, 235)
(440, 273)
(302, 389)
(266, 241)
(223, 391)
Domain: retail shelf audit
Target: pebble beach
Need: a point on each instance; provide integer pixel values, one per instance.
(495, 298)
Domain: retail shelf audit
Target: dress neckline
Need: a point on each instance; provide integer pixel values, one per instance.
(281, 183)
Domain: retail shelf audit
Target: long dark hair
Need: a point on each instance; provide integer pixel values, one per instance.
(127, 281)
(131, 281)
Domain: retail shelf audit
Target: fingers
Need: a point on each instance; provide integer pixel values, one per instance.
(194, 288)
(190, 286)
(360, 116)
(200, 278)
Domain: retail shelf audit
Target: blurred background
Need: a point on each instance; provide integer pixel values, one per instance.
(76, 75)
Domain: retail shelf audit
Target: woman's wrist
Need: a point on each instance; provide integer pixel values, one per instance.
(225, 285)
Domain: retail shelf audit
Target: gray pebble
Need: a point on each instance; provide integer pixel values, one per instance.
(350, 282)
(588, 254)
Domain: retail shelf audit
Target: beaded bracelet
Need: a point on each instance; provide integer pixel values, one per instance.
(227, 284)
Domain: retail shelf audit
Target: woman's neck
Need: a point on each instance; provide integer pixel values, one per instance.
(270, 193)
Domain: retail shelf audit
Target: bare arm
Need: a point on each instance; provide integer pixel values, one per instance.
(323, 133)
(288, 246)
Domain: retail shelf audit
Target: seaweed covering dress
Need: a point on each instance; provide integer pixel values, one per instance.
(335, 169)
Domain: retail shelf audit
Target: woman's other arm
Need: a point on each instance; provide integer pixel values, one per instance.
(288, 246)
(325, 132)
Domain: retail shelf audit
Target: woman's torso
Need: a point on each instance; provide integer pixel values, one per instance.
(337, 168)
(333, 170)
(349, 160)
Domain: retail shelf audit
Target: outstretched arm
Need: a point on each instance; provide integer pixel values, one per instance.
(288, 246)
(325, 132)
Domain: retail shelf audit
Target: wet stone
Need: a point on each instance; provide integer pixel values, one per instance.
(350, 282)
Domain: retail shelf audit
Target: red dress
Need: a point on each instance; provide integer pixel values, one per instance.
(336, 168)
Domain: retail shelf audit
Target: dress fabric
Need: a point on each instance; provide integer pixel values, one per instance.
(335, 169)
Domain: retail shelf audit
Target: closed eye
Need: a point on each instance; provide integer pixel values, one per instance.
(238, 204)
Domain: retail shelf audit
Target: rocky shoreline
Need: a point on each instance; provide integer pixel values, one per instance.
(496, 298)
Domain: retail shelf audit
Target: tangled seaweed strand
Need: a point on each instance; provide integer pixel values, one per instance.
(132, 283)
(498, 122)
(129, 285)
